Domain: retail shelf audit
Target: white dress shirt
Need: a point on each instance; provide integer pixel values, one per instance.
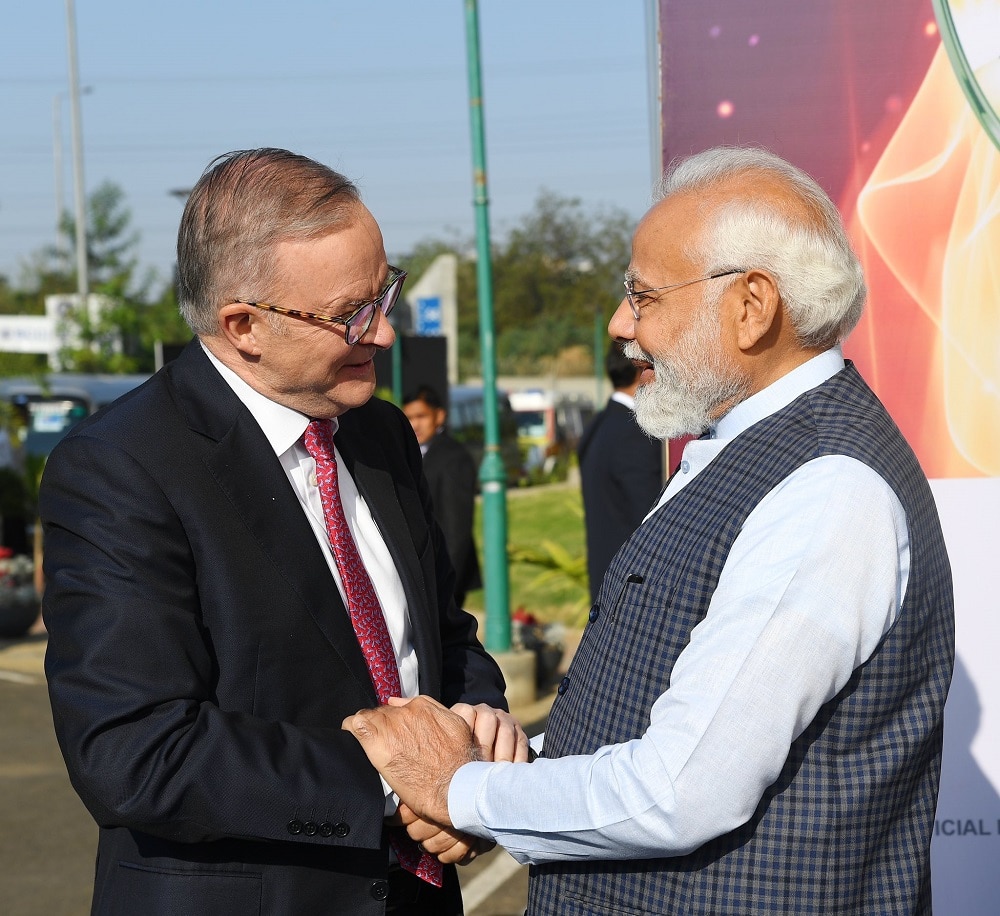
(622, 398)
(813, 581)
(284, 429)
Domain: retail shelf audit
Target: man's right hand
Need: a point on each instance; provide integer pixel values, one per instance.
(417, 745)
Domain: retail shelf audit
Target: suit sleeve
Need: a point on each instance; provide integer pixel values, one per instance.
(134, 678)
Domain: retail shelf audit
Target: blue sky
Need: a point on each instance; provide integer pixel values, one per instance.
(375, 88)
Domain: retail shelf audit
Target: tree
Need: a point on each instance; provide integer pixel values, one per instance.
(551, 273)
(122, 337)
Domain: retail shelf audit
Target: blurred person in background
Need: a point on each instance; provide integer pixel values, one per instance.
(621, 469)
(452, 478)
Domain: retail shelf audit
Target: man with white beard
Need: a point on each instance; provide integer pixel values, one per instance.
(752, 723)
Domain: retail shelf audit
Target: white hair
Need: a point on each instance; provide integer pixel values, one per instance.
(805, 247)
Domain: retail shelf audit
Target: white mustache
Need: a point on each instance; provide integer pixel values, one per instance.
(632, 350)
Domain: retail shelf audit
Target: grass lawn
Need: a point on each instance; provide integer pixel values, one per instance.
(545, 536)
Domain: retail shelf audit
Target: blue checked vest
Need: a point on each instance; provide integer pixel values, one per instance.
(846, 828)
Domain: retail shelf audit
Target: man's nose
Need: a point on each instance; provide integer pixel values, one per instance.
(381, 334)
(622, 324)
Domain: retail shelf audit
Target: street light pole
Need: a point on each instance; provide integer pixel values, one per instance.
(82, 280)
(492, 476)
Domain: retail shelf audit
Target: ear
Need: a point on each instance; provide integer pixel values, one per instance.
(758, 318)
(237, 324)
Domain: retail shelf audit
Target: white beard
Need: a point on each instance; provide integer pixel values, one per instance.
(690, 386)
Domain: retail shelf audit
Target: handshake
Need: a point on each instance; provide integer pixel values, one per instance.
(417, 745)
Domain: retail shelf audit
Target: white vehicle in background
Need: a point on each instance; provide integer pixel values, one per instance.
(466, 424)
(548, 428)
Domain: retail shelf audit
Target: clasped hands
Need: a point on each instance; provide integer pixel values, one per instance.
(417, 745)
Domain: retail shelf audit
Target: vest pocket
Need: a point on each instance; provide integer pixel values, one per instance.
(573, 905)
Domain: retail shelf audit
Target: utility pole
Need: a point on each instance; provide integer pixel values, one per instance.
(82, 280)
(58, 163)
(492, 476)
(57, 158)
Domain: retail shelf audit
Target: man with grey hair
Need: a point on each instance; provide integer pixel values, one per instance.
(239, 554)
(752, 723)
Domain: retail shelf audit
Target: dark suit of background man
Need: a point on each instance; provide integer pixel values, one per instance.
(201, 656)
(621, 470)
(451, 477)
(752, 723)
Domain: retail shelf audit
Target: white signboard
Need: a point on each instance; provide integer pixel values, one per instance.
(28, 334)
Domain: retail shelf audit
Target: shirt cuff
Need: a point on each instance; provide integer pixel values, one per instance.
(391, 798)
(465, 788)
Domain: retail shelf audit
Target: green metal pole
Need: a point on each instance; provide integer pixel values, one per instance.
(397, 369)
(492, 476)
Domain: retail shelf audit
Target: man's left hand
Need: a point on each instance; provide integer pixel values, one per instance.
(498, 733)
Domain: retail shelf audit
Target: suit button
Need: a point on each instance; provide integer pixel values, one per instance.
(309, 828)
(325, 830)
(295, 827)
(380, 890)
(595, 612)
(341, 829)
(563, 685)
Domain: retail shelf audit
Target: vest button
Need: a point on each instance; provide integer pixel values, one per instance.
(595, 612)
(380, 890)
(295, 827)
(563, 685)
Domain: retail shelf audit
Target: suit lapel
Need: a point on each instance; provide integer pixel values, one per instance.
(249, 473)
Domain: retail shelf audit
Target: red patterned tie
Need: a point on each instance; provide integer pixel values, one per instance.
(366, 616)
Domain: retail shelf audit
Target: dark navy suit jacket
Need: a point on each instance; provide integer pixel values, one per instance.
(201, 661)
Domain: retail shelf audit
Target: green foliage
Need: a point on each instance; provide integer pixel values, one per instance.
(560, 568)
(551, 273)
(123, 337)
(22, 364)
(111, 240)
(546, 553)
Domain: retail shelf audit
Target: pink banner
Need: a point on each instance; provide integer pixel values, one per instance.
(863, 97)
